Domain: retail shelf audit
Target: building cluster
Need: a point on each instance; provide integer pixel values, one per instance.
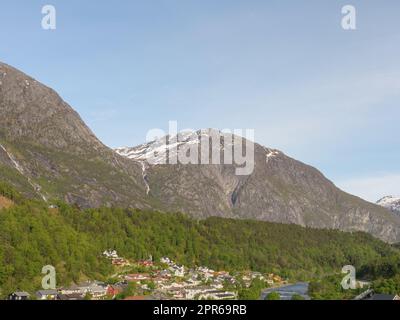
(165, 280)
(178, 282)
(93, 290)
(115, 259)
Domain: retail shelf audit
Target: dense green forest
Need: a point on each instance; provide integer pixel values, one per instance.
(330, 288)
(33, 235)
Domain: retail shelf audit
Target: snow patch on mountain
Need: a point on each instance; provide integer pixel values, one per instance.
(390, 202)
(167, 147)
(270, 154)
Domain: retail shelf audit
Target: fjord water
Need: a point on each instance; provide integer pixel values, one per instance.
(286, 292)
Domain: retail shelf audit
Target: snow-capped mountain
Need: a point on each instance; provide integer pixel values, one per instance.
(280, 189)
(390, 202)
(159, 151)
(164, 150)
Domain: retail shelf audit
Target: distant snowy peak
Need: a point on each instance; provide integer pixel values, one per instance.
(160, 151)
(390, 202)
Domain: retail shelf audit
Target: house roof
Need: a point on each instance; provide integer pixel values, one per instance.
(120, 286)
(21, 294)
(73, 296)
(384, 297)
(72, 287)
(136, 298)
(46, 292)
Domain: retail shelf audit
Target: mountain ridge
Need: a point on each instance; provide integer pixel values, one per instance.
(48, 152)
(292, 192)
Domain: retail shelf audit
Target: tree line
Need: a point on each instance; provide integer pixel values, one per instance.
(33, 235)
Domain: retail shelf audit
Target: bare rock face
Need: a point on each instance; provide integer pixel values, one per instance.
(36, 112)
(47, 152)
(280, 189)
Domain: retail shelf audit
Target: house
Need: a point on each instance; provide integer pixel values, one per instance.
(218, 295)
(146, 263)
(136, 298)
(137, 277)
(193, 281)
(111, 254)
(363, 284)
(115, 289)
(217, 285)
(205, 272)
(257, 275)
(177, 292)
(177, 271)
(277, 278)
(192, 292)
(159, 296)
(270, 282)
(96, 289)
(47, 294)
(226, 278)
(21, 295)
(247, 280)
(173, 285)
(221, 274)
(72, 296)
(159, 280)
(207, 293)
(384, 297)
(164, 274)
(226, 296)
(98, 292)
(120, 262)
(165, 260)
(71, 290)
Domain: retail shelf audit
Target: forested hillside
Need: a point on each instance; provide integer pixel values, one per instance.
(33, 235)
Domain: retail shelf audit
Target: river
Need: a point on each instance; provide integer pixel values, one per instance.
(286, 292)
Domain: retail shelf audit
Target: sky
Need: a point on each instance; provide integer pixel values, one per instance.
(326, 96)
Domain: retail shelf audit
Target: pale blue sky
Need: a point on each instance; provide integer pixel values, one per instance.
(287, 69)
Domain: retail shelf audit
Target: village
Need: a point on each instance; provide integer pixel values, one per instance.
(150, 280)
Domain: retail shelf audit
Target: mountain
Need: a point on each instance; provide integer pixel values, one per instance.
(47, 152)
(391, 203)
(280, 189)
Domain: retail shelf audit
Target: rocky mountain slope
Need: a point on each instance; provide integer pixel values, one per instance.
(280, 189)
(47, 152)
(390, 202)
